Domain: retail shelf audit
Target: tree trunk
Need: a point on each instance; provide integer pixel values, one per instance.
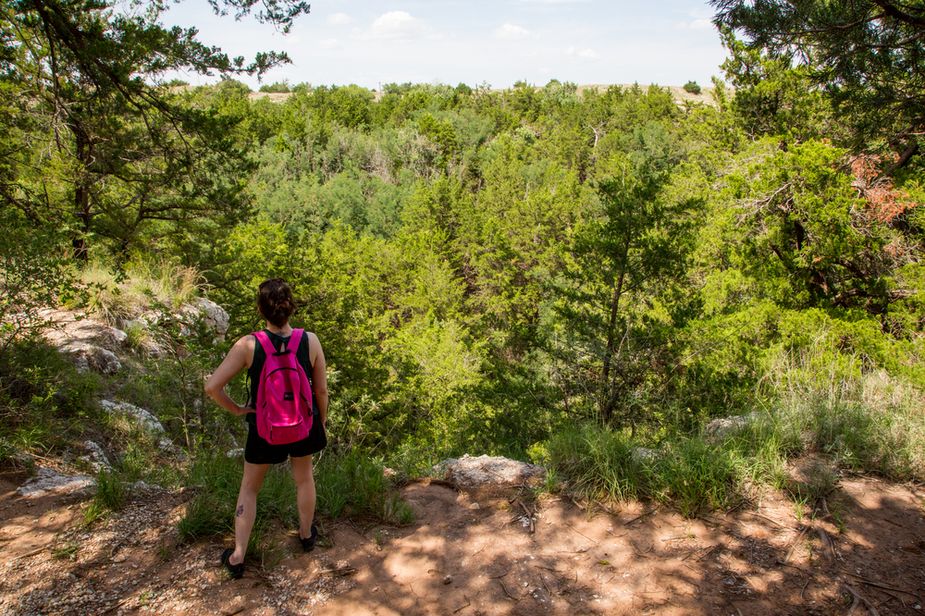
(606, 398)
(84, 152)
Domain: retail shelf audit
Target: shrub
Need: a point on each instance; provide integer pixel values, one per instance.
(692, 87)
(44, 401)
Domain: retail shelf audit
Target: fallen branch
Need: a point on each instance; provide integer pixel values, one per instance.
(880, 585)
(339, 571)
(794, 545)
(529, 516)
(859, 598)
(462, 607)
(641, 516)
(764, 517)
(510, 596)
(582, 534)
(827, 541)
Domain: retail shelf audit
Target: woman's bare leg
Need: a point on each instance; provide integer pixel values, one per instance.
(304, 477)
(246, 510)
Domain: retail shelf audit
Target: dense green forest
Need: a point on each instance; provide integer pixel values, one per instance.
(548, 272)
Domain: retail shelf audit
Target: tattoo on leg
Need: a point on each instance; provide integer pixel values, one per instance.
(240, 511)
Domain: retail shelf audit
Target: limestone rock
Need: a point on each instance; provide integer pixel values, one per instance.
(643, 455)
(483, 471)
(49, 480)
(95, 457)
(90, 357)
(66, 326)
(140, 416)
(724, 427)
(213, 316)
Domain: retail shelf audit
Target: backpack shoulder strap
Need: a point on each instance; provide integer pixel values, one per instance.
(294, 340)
(265, 343)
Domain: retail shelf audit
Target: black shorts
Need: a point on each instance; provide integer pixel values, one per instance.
(258, 451)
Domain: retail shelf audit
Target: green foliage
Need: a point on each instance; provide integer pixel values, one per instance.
(352, 485)
(34, 274)
(867, 55)
(692, 87)
(484, 268)
(355, 486)
(44, 402)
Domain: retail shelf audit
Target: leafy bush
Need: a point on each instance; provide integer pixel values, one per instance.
(44, 401)
(692, 87)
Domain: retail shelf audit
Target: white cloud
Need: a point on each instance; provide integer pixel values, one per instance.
(328, 43)
(339, 19)
(397, 25)
(587, 53)
(696, 24)
(511, 32)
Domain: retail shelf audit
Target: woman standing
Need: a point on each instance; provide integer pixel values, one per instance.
(275, 304)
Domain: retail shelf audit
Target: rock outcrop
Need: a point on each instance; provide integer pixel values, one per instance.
(489, 471)
(87, 342)
(722, 428)
(210, 314)
(87, 357)
(95, 457)
(143, 418)
(48, 480)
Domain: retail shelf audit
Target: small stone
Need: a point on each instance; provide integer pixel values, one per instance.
(448, 579)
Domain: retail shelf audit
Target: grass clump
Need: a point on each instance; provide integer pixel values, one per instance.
(693, 476)
(354, 485)
(601, 464)
(110, 495)
(348, 486)
(597, 464)
(865, 421)
(117, 296)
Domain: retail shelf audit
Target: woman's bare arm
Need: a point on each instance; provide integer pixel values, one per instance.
(238, 358)
(319, 376)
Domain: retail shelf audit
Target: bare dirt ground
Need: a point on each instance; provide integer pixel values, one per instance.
(469, 553)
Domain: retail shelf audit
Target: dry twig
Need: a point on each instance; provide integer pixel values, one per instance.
(641, 516)
(507, 592)
(462, 607)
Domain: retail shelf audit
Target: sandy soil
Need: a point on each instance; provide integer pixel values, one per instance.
(470, 553)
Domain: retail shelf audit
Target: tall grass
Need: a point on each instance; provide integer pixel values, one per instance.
(865, 421)
(349, 486)
(115, 297)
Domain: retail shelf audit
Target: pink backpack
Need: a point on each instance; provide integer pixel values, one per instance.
(284, 396)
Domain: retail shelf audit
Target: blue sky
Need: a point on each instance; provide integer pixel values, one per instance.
(373, 42)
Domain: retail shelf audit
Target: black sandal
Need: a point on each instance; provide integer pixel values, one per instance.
(308, 543)
(235, 571)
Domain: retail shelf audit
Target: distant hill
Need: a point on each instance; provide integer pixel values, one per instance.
(678, 92)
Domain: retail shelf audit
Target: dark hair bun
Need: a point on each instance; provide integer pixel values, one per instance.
(275, 301)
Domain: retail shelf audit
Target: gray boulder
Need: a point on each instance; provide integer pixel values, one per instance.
(213, 316)
(643, 455)
(142, 417)
(87, 357)
(66, 326)
(485, 471)
(47, 480)
(95, 457)
(722, 428)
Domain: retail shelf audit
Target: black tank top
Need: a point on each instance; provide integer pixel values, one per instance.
(260, 357)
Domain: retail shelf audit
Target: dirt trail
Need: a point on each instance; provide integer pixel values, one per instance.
(470, 553)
